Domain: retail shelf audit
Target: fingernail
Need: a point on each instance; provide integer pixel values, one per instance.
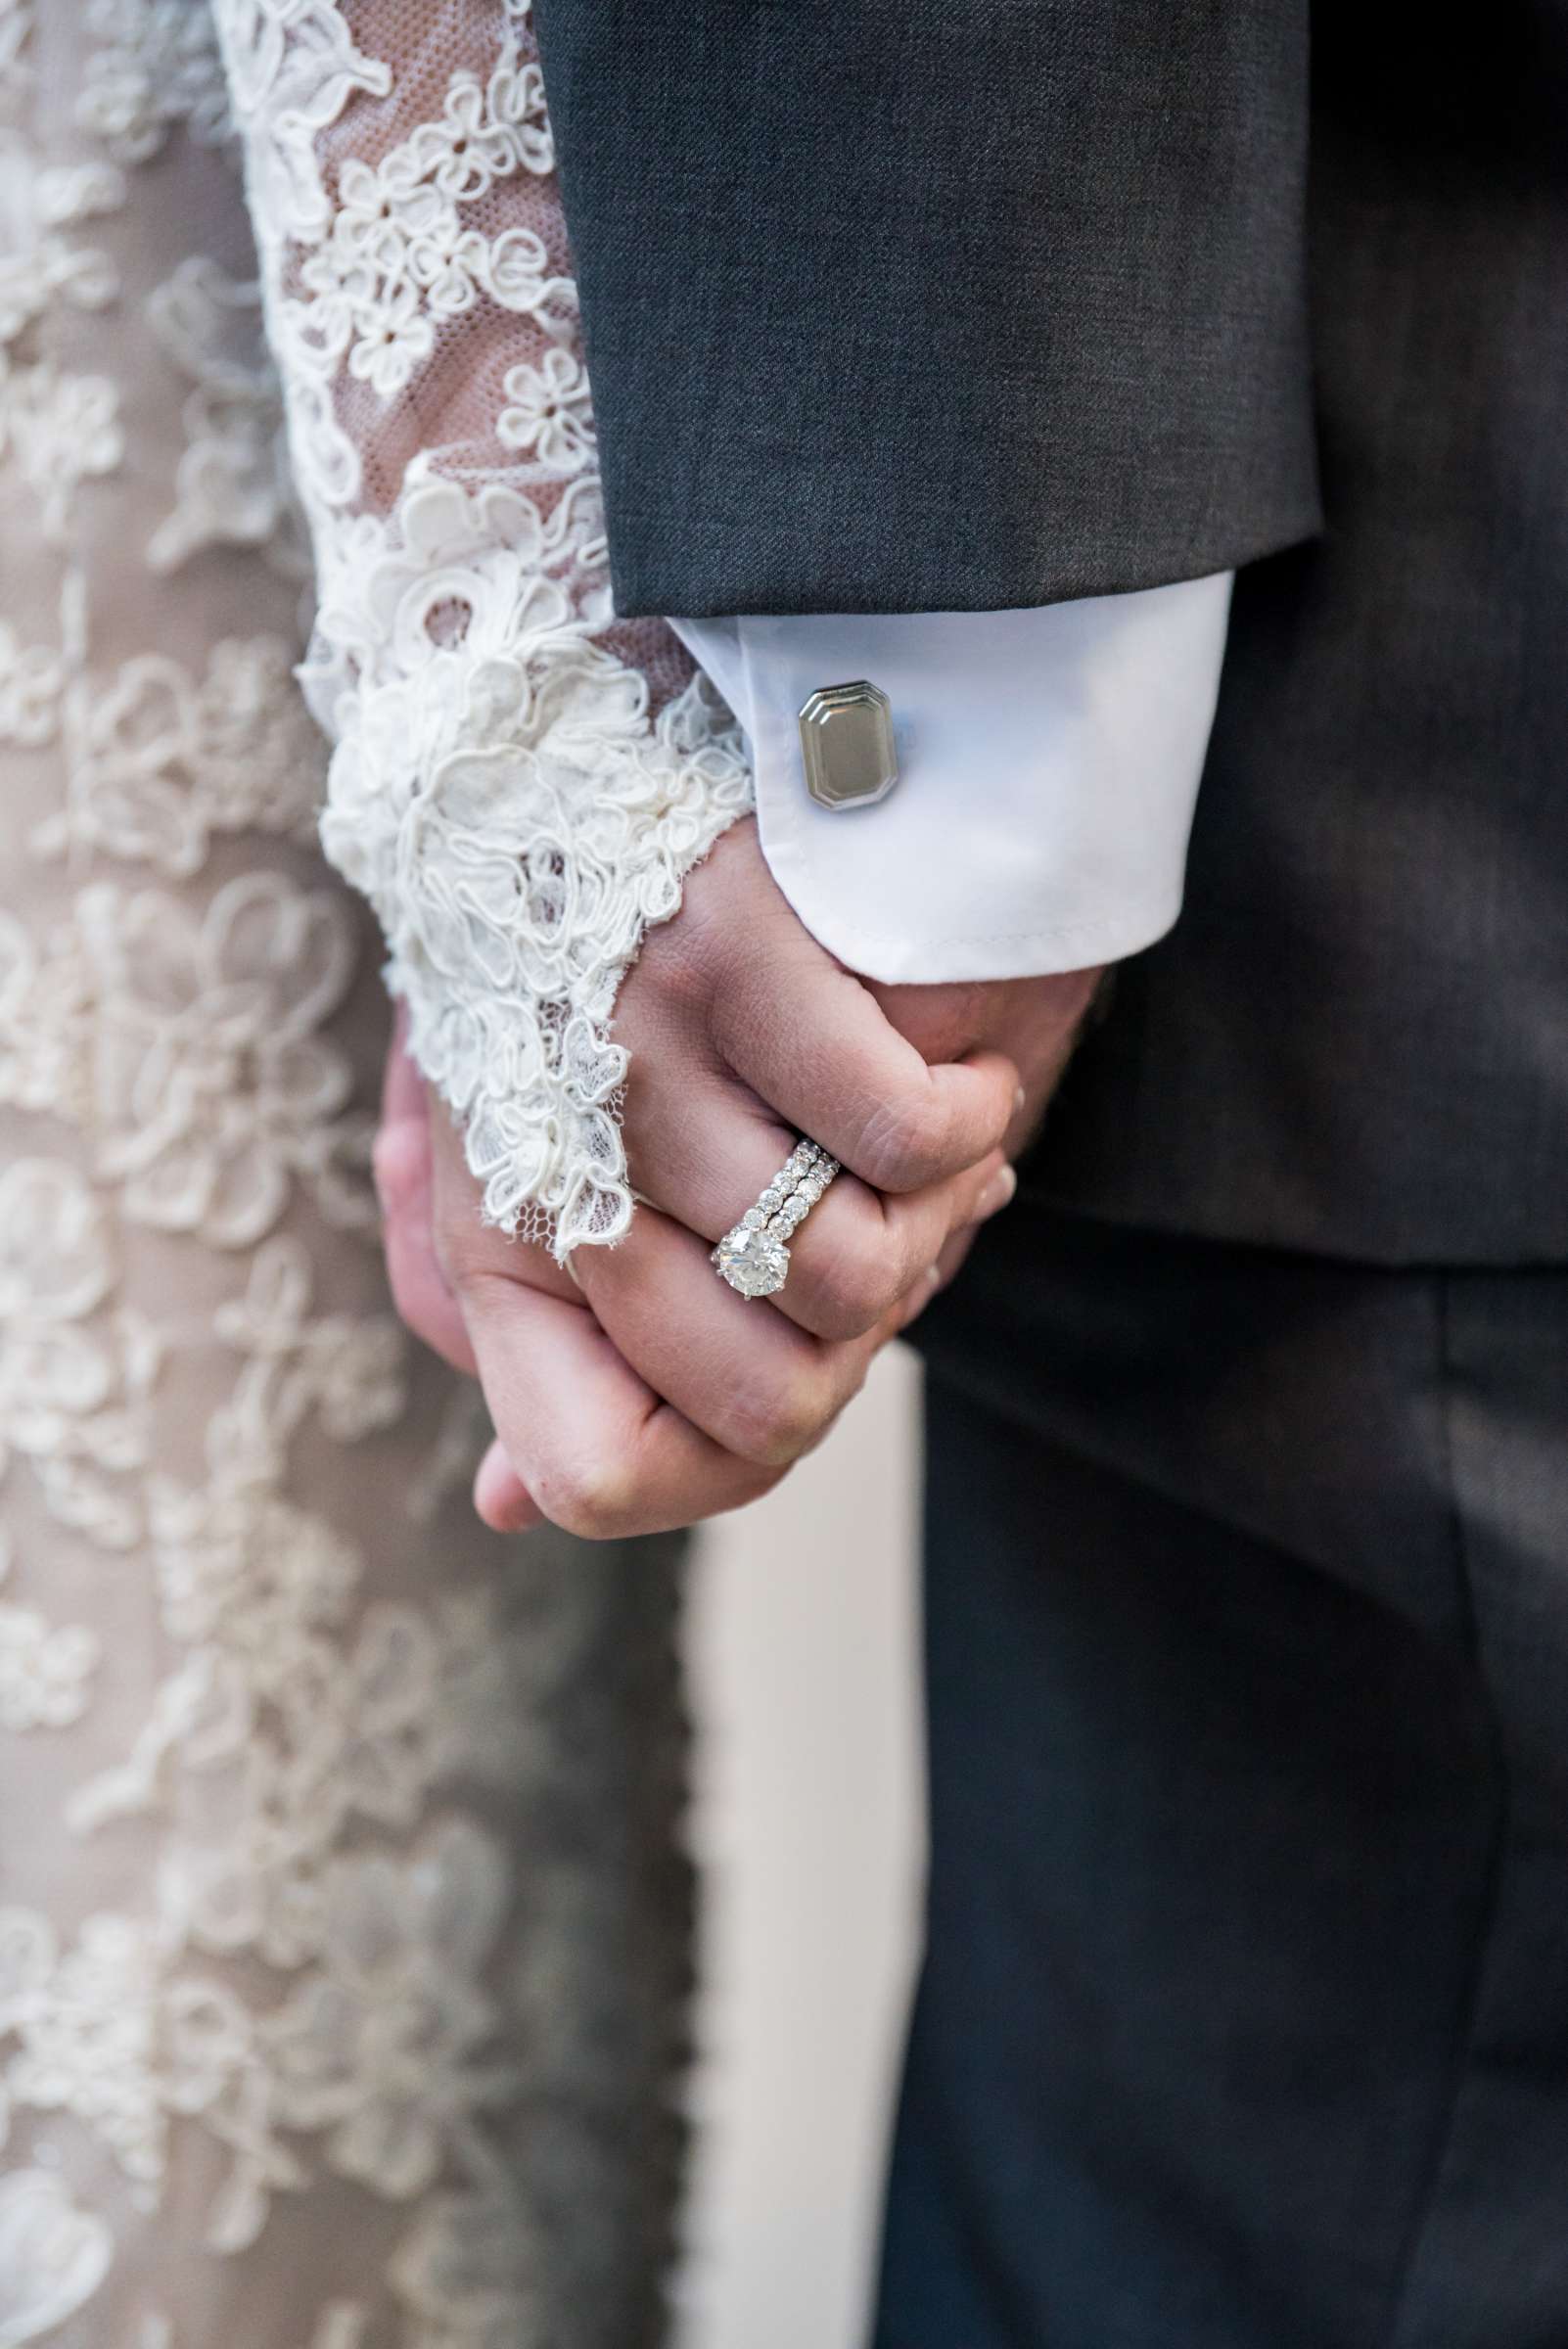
(1019, 1098)
(500, 1496)
(997, 1192)
(920, 1296)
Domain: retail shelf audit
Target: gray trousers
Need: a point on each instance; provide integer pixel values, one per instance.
(1244, 2018)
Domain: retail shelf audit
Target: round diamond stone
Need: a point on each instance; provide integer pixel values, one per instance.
(757, 1263)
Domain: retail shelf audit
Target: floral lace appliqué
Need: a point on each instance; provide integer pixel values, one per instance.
(520, 784)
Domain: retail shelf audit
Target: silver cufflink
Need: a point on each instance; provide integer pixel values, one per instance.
(847, 745)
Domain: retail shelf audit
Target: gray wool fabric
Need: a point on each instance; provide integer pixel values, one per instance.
(920, 306)
(1356, 1038)
(1244, 2015)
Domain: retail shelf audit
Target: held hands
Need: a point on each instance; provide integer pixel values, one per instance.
(644, 1393)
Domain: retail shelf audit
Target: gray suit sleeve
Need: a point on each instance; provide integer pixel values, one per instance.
(937, 304)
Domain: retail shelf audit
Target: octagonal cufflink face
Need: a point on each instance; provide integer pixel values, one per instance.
(846, 744)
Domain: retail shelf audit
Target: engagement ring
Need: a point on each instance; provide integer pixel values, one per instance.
(755, 1256)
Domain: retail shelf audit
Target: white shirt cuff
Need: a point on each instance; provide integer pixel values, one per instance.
(1048, 766)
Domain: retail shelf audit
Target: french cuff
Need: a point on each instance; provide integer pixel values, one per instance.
(1048, 766)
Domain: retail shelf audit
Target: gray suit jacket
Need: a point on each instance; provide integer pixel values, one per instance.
(948, 304)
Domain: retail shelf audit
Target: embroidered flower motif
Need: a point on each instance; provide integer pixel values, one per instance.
(45, 1673)
(383, 2045)
(165, 762)
(62, 429)
(549, 412)
(451, 264)
(465, 2270)
(32, 678)
(152, 63)
(380, 213)
(517, 99)
(53, 2256)
(82, 2017)
(464, 151)
(517, 275)
(345, 1372)
(73, 1384)
(233, 487)
(393, 334)
(247, 1573)
(215, 1088)
(40, 266)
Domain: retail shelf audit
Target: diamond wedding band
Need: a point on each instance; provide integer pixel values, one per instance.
(755, 1256)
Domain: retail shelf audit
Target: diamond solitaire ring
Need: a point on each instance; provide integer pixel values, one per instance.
(755, 1258)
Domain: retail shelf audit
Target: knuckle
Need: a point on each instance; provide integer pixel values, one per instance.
(772, 1426)
(902, 1143)
(463, 1251)
(679, 960)
(400, 1168)
(588, 1497)
(853, 1283)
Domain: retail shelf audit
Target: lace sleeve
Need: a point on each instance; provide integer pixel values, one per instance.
(519, 782)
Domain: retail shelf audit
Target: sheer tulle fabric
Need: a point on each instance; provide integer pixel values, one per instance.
(519, 783)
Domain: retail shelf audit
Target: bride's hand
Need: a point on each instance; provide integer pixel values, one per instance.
(651, 1393)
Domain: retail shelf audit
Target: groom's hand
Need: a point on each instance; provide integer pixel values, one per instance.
(1034, 1022)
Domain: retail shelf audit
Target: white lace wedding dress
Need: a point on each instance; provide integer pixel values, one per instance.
(341, 1922)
